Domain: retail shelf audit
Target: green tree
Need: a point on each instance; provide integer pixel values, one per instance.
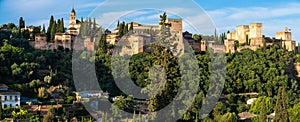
(281, 109)
(62, 26)
(21, 23)
(53, 31)
(20, 114)
(229, 117)
(102, 46)
(49, 30)
(131, 26)
(263, 113)
(247, 39)
(197, 37)
(294, 113)
(43, 30)
(57, 28)
(25, 34)
(16, 70)
(256, 106)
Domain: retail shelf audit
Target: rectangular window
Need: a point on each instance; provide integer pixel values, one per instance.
(10, 97)
(5, 98)
(16, 98)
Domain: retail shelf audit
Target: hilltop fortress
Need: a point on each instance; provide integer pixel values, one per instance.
(142, 35)
(250, 36)
(245, 37)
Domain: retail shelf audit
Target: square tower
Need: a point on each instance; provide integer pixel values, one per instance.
(241, 33)
(255, 30)
(176, 25)
(286, 35)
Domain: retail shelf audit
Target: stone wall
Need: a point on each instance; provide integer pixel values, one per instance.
(289, 45)
(229, 46)
(258, 41)
(40, 41)
(176, 24)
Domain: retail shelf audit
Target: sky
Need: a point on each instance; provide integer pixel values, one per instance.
(199, 16)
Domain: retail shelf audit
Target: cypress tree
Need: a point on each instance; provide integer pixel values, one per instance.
(21, 23)
(131, 26)
(50, 28)
(298, 48)
(263, 113)
(102, 44)
(247, 39)
(90, 26)
(125, 29)
(53, 31)
(281, 112)
(44, 30)
(62, 26)
(121, 29)
(58, 26)
(94, 24)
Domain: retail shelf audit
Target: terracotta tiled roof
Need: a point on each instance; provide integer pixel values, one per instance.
(10, 92)
(3, 86)
(246, 115)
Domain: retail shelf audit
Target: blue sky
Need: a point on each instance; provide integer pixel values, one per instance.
(201, 18)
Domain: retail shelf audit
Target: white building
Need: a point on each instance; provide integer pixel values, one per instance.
(9, 98)
(250, 101)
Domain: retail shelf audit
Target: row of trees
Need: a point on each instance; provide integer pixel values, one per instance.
(55, 27)
(124, 28)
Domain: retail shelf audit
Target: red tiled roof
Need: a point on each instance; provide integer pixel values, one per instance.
(246, 115)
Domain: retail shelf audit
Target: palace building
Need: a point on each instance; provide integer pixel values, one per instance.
(66, 40)
(251, 37)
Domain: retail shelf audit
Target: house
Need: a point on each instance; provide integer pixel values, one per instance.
(90, 94)
(8, 97)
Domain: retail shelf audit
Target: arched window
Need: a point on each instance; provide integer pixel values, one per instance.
(5, 106)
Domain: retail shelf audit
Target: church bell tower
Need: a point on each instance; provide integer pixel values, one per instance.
(73, 16)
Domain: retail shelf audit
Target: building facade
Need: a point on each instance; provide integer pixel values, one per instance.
(9, 98)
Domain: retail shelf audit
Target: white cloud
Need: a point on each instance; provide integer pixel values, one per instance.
(108, 19)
